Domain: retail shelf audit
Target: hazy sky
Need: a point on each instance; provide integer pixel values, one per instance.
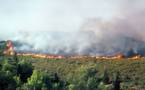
(49, 15)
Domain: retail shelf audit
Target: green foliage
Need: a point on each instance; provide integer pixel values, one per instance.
(15, 57)
(9, 65)
(3, 45)
(72, 87)
(7, 81)
(85, 78)
(56, 78)
(116, 82)
(6, 66)
(56, 86)
(35, 81)
(126, 78)
(72, 74)
(18, 81)
(105, 77)
(47, 81)
(110, 87)
(91, 83)
(41, 81)
(24, 70)
(101, 86)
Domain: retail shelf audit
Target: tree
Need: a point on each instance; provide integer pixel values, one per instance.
(25, 70)
(85, 78)
(105, 77)
(15, 57)
(18, 81)
(116, 82)
(56, 78)
(35, 81)
(6, 81)
(9, 65)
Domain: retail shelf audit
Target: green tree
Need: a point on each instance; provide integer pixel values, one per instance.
(15, 57)
(116, 82)
(8, 65)
(84, 79)
(7, 81)
(105, 77)
(35, 81)
(47, 81)
(25, 70)
(18, 81)
(56, 78)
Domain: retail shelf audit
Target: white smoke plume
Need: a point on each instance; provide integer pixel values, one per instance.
(96, 36)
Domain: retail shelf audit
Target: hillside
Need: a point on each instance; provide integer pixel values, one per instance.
(131, 71)
(73, 73)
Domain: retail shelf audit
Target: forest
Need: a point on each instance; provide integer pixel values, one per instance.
(19, 72)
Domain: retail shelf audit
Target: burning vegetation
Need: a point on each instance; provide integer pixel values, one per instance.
(11, 52)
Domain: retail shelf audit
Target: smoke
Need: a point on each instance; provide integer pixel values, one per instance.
(96, 36)
(122, 33)
(55, 43)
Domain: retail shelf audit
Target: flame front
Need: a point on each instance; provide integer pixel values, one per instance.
(9, 51)
(10, 47)
(135, 57)
(9, 44)
(12, 53)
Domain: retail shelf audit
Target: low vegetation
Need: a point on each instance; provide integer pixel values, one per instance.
(86, 73)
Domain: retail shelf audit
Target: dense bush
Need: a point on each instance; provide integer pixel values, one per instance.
(18, 72)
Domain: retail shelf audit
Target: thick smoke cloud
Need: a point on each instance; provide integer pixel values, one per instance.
(96, 36)
(120, 34)
(55, 43)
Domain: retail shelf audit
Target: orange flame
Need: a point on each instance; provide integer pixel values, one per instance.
(9, 44)
(143, 57)
(10, 47)
(5, 52)
(135, 57)
(12, 53)
(60, 57)
(108, 58)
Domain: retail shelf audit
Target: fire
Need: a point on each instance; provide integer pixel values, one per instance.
(18, 54)
(108, 58)
(97, 57)
(5, 52)
(9, 44)
(10, 48)
(143, 57)
(12, 53)
(60, 57)
(92, 56)
(135, 57)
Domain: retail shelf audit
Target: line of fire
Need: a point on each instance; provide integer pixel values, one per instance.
(11, 52)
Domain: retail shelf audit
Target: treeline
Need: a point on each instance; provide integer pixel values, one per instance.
(19, 74)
